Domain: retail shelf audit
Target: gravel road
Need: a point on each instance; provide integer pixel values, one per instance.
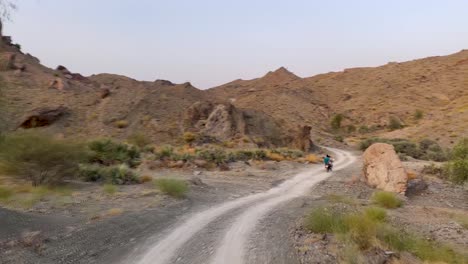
(228, 232)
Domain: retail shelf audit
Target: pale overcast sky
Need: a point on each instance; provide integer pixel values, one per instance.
(211, 42)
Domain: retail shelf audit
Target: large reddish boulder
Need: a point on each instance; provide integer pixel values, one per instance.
(383, 169)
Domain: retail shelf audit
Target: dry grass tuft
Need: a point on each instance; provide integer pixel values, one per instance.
(121, 123)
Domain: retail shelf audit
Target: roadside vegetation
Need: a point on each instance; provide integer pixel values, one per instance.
(425, 149)
(34, 164)
(362, 229)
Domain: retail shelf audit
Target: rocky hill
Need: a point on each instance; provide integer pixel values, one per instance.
(427, 97)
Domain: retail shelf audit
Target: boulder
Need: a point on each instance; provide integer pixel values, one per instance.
(383, 169)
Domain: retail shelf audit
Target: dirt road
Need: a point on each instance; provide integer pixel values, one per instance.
(226, 233)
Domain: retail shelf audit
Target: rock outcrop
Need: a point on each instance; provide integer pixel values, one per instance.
(383, 169)
(303, 140)
(43, 117)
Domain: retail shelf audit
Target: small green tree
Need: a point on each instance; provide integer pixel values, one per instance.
(394, 123)
(418, 114)
(457, 166)
(336, 120)
(39, 158)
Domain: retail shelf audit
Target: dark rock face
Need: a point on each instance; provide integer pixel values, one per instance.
(43, 117)
(303, 140)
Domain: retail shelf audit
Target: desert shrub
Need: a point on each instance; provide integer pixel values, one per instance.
(109, 188)
(117, 174)
(338, 138)
(120, 174)
(324, 220)
(40, 158)
(108, 152)
(288, 153)
(394, 123)
(422, 248)
(90, 172)
(312, 158)
(386, 200)
(418, 114)
(121, 123)
(145, 178)
(360, 229)
(166, 152)
(216, 155)
(376, 214)
(244, 155)
(189, 137)
(457, 166)
(335, 121)
(363, 129)
(5, 193)
(139, 139)
(351, 128)
(172, 187)
(275, 156)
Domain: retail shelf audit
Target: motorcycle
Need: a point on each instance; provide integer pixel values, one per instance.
(329, 166)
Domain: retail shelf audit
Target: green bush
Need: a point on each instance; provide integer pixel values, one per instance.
(5, 193)
(426, 149)
(336, 120)
(166, 152)
(139, 139)
(117, 174)
(394, 123)
(109, 189)
(172, 187)
(40, 158)
(323, 220)
(457, 166)
(386, 199)
(421, 248)
(418, 114)
(351, 128)
(376, 214)
(363, 129)
(216, 155)
(108, 152)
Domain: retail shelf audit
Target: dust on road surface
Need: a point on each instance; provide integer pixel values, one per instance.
(234, 221)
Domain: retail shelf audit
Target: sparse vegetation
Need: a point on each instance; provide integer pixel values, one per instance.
(363, 129)
(139, 139)
(145, 178)
(5, 193)
(109, 189)
(107, 152)
(394, 123)
(116, 174)
(457, 166)
(189, 137)
(173, 187)
(39, 158)
(336, 120)
(418, 114)
(121, 124)
(426, 149)
(362, 230)
(386, 199)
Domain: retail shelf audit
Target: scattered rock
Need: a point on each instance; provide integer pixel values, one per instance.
(415, 187)
(224, 167)
(196, 181)
(103, 93)
(383, 169)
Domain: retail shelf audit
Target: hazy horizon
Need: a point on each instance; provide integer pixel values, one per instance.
(209, 43)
